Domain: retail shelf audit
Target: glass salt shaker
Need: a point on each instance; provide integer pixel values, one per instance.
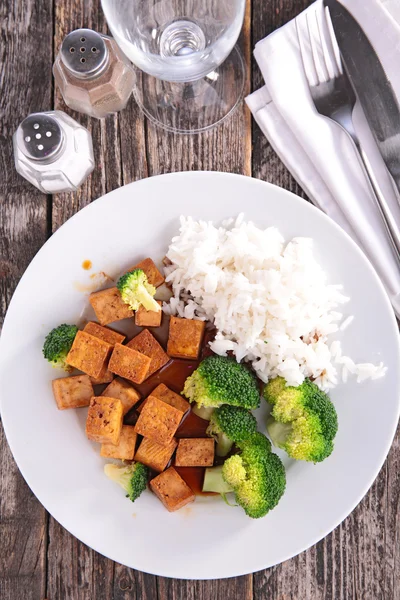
(53, 151)
(94, 76)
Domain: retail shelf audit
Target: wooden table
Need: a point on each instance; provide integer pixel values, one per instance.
(38, 558)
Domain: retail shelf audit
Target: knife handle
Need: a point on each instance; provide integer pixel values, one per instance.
(386, 213)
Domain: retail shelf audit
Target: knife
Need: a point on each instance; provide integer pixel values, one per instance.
(373, 88)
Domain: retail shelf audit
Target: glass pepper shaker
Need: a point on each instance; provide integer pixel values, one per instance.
(94, 76)
(53, 151)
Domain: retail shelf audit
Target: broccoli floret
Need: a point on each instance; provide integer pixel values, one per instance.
(57, 345)
(132, 478)
(135, 290)
(229, 424)
(303, 420)
(256, 475)
(220, 380)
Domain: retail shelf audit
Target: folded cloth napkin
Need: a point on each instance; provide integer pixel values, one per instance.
(316, 150)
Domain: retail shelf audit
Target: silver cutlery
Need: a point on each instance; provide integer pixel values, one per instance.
(334, 98)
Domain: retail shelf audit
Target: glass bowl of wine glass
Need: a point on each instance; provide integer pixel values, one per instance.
(190, 74)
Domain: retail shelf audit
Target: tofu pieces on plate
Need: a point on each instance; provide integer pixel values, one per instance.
(105, 357)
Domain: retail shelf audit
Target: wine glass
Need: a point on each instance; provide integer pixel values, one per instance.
(192, 74)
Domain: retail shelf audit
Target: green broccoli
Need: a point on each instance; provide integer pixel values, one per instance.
(256, 475)
(229, 424)
(132, 478)
(204, 412)
(219, 380)
(213, 481)
(57, 345)
(303, 420)
(135, 290)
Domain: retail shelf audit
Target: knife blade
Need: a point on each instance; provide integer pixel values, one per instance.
(373, 88)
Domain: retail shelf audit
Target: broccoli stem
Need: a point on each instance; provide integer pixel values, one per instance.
(214, 482)
(204, 412)
(147, 300)
(224, 444)
(278, 432)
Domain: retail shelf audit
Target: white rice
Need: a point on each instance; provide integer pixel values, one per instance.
(269, 301)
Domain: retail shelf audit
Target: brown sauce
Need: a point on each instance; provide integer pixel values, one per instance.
(194, 477)
(192, 426)
(173, 375)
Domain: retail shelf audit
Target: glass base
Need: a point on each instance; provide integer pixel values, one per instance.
(196, 106)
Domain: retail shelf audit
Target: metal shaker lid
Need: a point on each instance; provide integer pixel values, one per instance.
(84, 53)
(39, 136)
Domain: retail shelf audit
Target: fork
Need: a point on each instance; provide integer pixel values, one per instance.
(335, 98)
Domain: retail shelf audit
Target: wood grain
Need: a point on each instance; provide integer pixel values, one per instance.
(360, 560)
(23, 230)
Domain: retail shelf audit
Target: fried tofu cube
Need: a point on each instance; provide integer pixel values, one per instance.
(146, 344)
(105, 377)
(172, 490)
(125, 449)
(72, 392)
(158, 421)
(104, 333)
(154, 455)
(185, 337)
(152, 273)
(195, 452)
(89, 354)
(104, 420)
(109, 306)
(148, 318)
(162, 392)
(129, 363)
(123, 391)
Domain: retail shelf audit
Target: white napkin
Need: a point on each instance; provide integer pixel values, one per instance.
(317, 152)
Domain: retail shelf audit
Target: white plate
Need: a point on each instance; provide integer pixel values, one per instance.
(207, 539)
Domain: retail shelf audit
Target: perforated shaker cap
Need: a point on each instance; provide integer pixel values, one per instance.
(84, 53)
(40, 136)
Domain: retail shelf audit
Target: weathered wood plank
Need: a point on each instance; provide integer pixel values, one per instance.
(360, 559)
(224, 148)
(240, 588)
(25, 84)
(70, 15)
(75, 572)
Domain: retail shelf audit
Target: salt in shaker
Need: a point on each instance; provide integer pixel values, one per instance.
(53, 151)
(93, 75)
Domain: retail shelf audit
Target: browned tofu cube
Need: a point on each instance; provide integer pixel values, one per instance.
(123, 391)
(72, 392)
(104, 420)
(109, 307)
(195, 452)
(152, 273)
(145, 343)
(158, 421)
(89, 354)
(105, 377)
(185, 337)
(155, 455)
(148, 318)
(125, 449)
(162, 392)
(129, 363)
(172, 490)
(104, 333)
